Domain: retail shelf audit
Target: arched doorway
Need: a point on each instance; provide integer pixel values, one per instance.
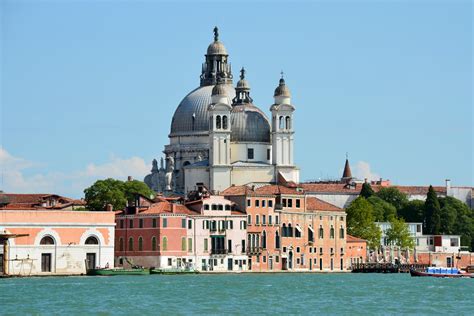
(48, 249)
(92, 246)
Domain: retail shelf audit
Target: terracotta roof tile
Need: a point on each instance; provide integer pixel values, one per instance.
(344, 188)
(354, 239)
(315, 204)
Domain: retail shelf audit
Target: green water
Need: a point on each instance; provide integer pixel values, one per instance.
(359, 294)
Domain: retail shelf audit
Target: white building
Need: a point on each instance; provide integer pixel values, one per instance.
(219, 137)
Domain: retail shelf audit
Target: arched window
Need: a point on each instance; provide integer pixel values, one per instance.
(288, 122)
(218, 122)
(321, 232)
(140, 244)
(211, 122)
(224, 122)
(277, 240)
(164, 245)
(253, 241)
(283, 231)
(91, 240)
(130, 244)
(206, 207)
(264, 240)
(153, 243)
(220, 207)
(282, 122)
(331, 233)
(214, 207)
(47, 240)
(290, 230)
(249, 242)
(257, 241)
(121, 244)
(341, 233)
(227, 207)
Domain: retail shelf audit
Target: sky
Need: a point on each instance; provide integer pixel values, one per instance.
(88, 88)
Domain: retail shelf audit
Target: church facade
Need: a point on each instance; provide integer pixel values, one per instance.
(220, 138)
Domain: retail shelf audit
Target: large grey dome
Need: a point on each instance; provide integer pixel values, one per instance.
(249, 124)
(191, 116)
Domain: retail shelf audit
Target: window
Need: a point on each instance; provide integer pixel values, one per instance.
(206, 207)
(130, 244)
(298, 203)
(218, 122)
(268, 154)
(277, 240)
(214, 207)
(231, 224)
(277, 259)
(248, 203)
(277, 221)
(298, 249)
(190, 244)
(418, 228)
(263, 203)
(264, 240)
(121, 244)
(170, 261)
(190, 224)
(206, 244)
(154, 222)
(284, 202)
(310, 234)
(257, 219)
(91, 241)
(164, 245)
(310, 249)
(290, 202)
(264, 220)
(243, 245)
(224, 122)
(229, 245)
(122, 224)
(269, 219)
(130, 224)
(321, 251)
(140, 223)
(257, 203)
(454, 242)
(140, 244)
(153, 243)
(264, 259)
(220, 207)
(290, 231)
(249, 153)
(227, 207)
(270, 203)
(297, 231)
(183, 223)
(282, 122)
(288, 126)
(183, 243)
(341, 232)
(331, 233)
(321, 232)
(165, 222)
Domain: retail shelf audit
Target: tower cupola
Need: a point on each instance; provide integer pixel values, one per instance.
(216, 64)
(282, 94)
(242, 90)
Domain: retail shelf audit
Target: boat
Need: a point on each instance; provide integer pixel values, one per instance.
(439, 272)
(118, 271)
(173, 271)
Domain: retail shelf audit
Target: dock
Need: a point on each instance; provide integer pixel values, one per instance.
(385, 267)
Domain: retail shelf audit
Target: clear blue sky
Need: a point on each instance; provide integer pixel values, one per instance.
(88, 88)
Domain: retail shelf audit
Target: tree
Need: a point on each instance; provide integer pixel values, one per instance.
(393, 196)
(114, 192)
(360, 222)
(383, 211)
(432, 212)
(366, 190)
(413, 211)
(457, 218)
(399, 235)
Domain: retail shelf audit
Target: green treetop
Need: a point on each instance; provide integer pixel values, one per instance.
(360, 222)
(393, 196)
(383, 211)
(366, 190)
(114, 192)
(432, 212)
(399, 235)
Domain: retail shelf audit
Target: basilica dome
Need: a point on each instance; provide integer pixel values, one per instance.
(249, 124)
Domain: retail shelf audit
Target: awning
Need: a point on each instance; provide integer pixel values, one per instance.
(311, 229)
(298, 228)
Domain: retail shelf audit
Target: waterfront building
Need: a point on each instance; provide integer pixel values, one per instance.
(220, 137)
(206, 234)
(52, 238)
(356, 251)
(288, 230)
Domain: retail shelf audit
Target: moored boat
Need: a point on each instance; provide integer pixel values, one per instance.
(173, 271)
(439, 272)
(111, 272)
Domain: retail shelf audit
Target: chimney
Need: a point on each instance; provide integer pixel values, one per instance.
(109, 208)
(129, 178)
(448, 184)
(173, 207)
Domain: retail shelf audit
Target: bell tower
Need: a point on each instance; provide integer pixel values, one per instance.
(219, 139)
(283, 133)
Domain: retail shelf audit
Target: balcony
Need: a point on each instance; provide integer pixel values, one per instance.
(254, 250)
(219, 251)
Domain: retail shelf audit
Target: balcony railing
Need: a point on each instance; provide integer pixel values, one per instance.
(219, 251)
(254, 250)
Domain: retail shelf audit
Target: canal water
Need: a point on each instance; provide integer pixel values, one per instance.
(358, 294)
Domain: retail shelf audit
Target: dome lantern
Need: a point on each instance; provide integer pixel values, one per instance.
(216, 64)
(242, 90)
(282, 93)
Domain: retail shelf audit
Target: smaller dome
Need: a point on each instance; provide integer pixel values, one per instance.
(219, 89)
(243, 84)
(282, 90)
(216, 48)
